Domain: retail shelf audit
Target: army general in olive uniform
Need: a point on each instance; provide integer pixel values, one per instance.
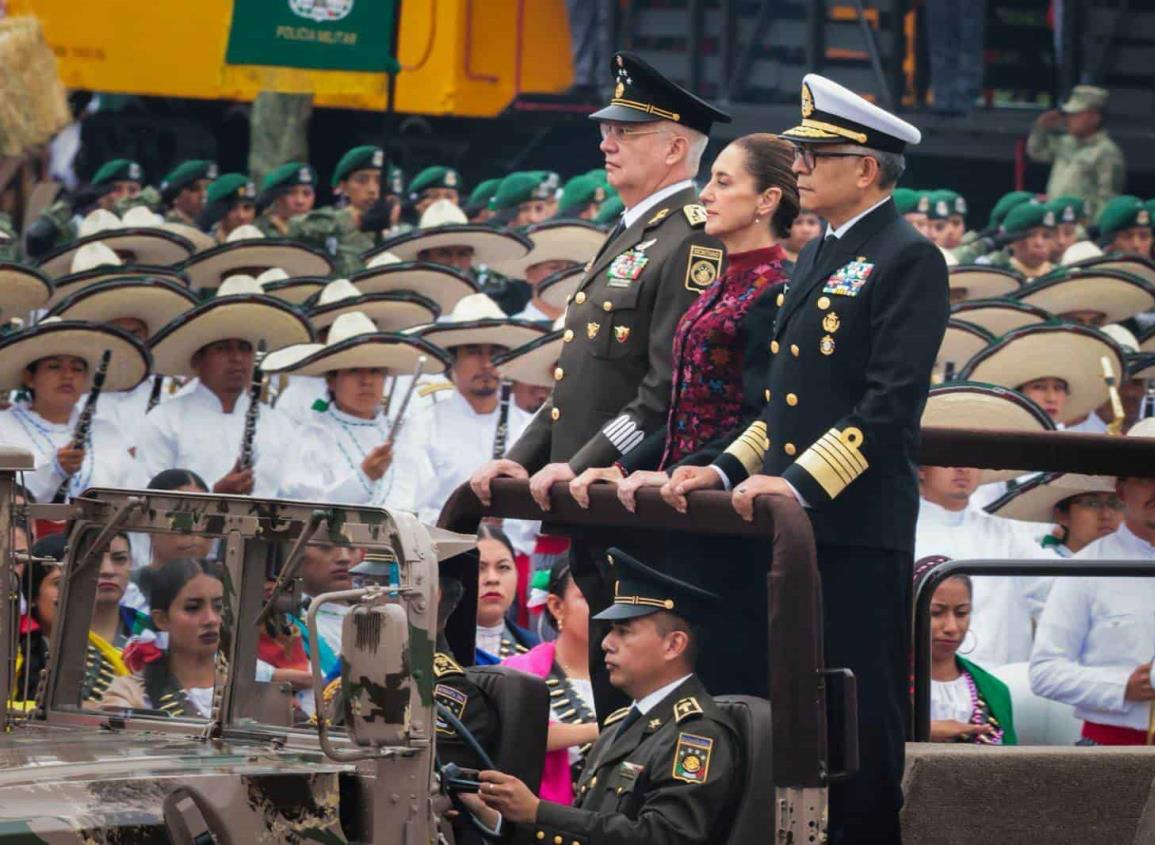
(612, 382)
(666, 769)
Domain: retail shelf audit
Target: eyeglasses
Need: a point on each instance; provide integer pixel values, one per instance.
(809, 157)
(625, 133)
(1098, 503)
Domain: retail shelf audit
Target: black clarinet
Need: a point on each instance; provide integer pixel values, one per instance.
(84, 421)
(256, 385)
(154, 394)
(502, 434)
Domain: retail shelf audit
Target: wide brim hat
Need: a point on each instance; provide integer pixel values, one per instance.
(22, 289)
(1066, 351)
(199, 240)
(250, 317)
(984, 407)
(296, 290)
(999, 316)
(128, 366)
(1034, 500)
(67, 286)
(491, 246)
(555, 290)
(534, 363)
(136, 245)
(1147, 340)
(155, 302)
(962, 341)
(355, 343)
(443, 285)
(1114, 294)
(981, 282)
(478, 319)
(1141, 366)
(1132, 264)
(556, 240)
(206, 270)
(390, 312)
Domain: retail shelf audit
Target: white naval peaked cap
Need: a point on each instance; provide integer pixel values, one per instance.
(442, 213)
(383, 259)
(93, 255)
(247, 232)
(833, 114)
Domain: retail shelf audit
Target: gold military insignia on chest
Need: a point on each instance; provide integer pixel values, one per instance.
(830, 322)
(702, 267)
(592, 330)
(621, 333)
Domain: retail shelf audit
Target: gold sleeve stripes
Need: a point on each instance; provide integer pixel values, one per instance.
(835, 460)
(750, 447)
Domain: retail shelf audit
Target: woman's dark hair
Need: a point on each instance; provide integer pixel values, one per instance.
(926, 565)
(167, 582)
(490, 531)
(35, 572)
(770, 160)
(560, 577)
(174, 479)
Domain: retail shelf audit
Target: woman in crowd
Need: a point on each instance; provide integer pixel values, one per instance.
(564, 663)
(721, 345)
(967, 704)
(1082, 508)
(497, 637)
(807, 226)
(187, 604)
(40, 592)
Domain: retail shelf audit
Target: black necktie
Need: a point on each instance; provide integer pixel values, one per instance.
(631, 717)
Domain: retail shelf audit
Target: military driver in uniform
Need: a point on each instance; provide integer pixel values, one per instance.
(612, 381)
(665, 770)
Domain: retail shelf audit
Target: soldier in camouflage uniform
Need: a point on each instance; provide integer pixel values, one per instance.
(1125, 227)
(347, 229)
(183, 190)
(1087, 162)
(113, 182)
(1030, 232)
(286, 192)
(230, 201)
(279, 131)
(9, 243)
(991, 238)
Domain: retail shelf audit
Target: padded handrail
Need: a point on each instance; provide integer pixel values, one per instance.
(797, 692)
(1049, 451)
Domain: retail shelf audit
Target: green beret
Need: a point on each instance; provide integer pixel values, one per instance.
(945, 203)
(517, 188)
(289, 175)
(367, 157)
(1069, 208)
(600, 174)
(1028, 215)
(910, 201)
(580, 191)
(185, 174)
(1005, 203)
(232, 187)
(434, 177)
(118, 170)
(1120, 213)
(1150, 206)
(483, 193)
(610, 211)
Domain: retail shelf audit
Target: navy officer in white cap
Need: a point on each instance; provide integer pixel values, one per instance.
(851, 356)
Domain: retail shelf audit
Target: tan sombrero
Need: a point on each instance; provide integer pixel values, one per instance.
(136, 239)
(985, 407)
(128, 366)
(155, 302)
(1079, 252)
(1113, 293)
(386, 273)
(22, 289)
(355, 341)
(390, 312)
(556, 240)
(200, 240)
(1066, 351)
(981, 282)
(296, 290)
(248, 252)
(240, 310)
(477, 319)
(1147, 339)
(961, 342)
(444, 224)
(95, 263)
(998, 316)
(556, 290)
(1035, 499)
(1141, 366)
(534, 362)
(1134, 265)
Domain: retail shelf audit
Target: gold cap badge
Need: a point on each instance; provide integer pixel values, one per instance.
(807, 101)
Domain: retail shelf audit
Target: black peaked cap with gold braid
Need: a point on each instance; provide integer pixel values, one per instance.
(640, 590)
(642, 94)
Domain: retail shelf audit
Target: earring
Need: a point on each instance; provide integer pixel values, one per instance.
(560, 625)
(757, 218)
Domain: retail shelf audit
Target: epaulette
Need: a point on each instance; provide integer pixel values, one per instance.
(686, 708)
(616, 716)
(430, 389)
(695, 214)
(444, 666)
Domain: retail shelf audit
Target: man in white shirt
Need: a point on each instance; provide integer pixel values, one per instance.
(557, 245)
(1096, 638)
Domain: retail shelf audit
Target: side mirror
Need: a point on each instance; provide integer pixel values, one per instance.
(375, 679)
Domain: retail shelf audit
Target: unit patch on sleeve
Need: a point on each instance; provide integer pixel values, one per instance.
(702, 267)
(692, 758)
(454, 701)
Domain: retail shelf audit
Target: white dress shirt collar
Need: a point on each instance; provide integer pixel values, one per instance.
(649, 702)
(633, 215)
(841, 231)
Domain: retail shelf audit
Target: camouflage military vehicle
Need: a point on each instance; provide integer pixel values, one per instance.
(251, 770)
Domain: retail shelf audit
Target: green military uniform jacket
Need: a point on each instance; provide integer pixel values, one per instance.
(612, 381)
(64, 222)
(1092, 168)
(333, 230)
(673, 777)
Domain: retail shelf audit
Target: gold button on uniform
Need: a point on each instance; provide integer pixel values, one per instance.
(823, 302)
(568, 336)
(557, 840)
(789, 449)
(794, 350)
(580, 298)
(555, 414)
(781, 299)
(540, 835)
(774, 346)
(791, 399)
(558, 374)
(767, 394)
(607, 306)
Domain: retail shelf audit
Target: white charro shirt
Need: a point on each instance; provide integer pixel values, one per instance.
(1002, 606)
(125, 409)
(107, 462)
(192, 431)
(301, 393)
(1094, 633)
(445, 443)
